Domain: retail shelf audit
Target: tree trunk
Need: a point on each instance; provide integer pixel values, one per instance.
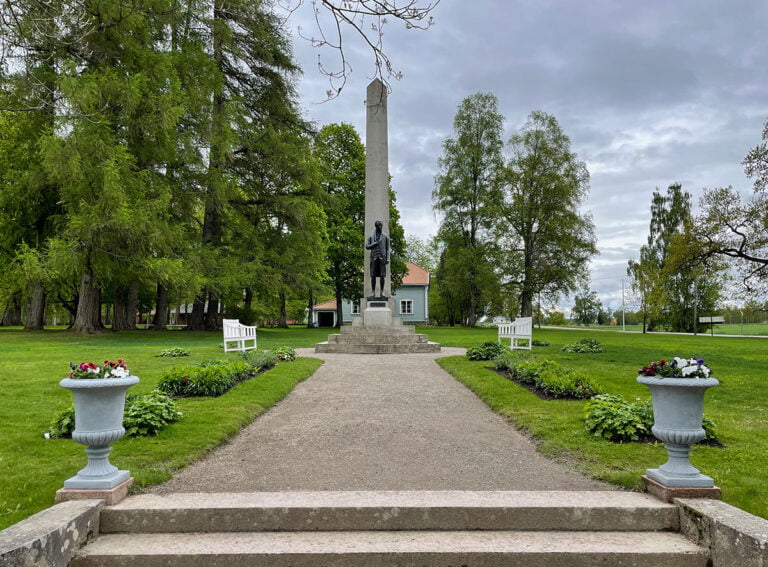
(120, 308)
(88, 317)
(133, 304)
(12, 314)
(310, 311)
(196, 319)
(526, 303)
(161, 309)
(125, 307)
(283, 322)
(212, 317)
(339, 310)
(36, 307)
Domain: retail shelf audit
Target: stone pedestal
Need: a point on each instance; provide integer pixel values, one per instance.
(110, 495)
(377, 332)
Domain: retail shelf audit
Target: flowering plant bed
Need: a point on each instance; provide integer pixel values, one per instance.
(546, 378)
(677, 368)
(91, 371)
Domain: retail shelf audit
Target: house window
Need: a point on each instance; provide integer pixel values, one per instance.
(356, 308)
(406, 307)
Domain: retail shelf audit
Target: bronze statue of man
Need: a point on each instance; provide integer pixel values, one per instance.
(378, 244)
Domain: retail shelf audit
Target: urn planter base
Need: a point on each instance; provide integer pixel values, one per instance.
(97, 483)
(692, 481)
(678, 471)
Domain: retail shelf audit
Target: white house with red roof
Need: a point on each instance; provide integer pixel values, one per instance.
(411, 302)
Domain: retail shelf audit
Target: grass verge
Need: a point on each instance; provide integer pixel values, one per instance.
(32, 468)
(737, 406)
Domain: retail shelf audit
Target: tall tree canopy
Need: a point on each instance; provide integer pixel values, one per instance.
(156, 148)
(468, 194)
(673, 287)
(545, 242)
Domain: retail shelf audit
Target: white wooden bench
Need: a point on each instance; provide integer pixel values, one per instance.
(235, 332)
(519, 332)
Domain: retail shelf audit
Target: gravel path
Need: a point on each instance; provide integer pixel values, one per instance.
(378, 422)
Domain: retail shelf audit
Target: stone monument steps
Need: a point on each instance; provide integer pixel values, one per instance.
(368, 338)
(409, 528)
(377, 348)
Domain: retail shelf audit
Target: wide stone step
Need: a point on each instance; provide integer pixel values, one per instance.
(393, 510)
(380, 348)
(404, 549)
(389, 330)
(377, 339)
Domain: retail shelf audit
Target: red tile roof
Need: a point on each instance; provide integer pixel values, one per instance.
(416, 275)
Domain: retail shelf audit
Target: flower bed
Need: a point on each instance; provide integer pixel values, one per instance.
(214, 377)
(546, 378)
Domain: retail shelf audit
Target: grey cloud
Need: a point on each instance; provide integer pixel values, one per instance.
(650, 93)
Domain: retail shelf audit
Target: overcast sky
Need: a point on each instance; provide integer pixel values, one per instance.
(650, 93)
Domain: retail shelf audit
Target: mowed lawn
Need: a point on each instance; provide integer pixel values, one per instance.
(32, 468)
(739, 406)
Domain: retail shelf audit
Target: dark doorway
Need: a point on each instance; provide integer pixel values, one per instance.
(324, 319)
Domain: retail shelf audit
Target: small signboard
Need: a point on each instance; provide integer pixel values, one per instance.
(712, 320)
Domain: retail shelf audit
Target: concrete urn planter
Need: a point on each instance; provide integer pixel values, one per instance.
(678, 408)
(99, 406)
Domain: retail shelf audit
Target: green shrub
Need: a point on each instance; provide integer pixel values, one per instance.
(615, 419)
(558, 382)
(548, 377)
(260, 359)
(144, 416)
(584, 346)
(539, 343)
(149, 414)
(174, 352)
(509, 359)
(488, 350)
(285, 353)
(63, 424)
(528, 371)
(210, 378)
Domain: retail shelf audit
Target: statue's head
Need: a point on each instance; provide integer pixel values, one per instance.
(378, 224)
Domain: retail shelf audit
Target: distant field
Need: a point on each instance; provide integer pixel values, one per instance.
(755, 329)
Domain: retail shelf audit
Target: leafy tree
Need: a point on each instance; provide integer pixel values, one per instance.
(341, 157)
(545, 242)
(668, 276)
(736, 229)
(421, 252)
(586, 307)
(467, 193)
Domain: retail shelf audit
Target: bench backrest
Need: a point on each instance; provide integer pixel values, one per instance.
(523, 325)
(520, 326)
(231, 327)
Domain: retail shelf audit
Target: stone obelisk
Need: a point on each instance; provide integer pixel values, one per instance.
(376, 175)
(376, 330)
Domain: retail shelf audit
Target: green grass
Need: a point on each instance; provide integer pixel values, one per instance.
(738, 406)
(759, 329)
(32, 468)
